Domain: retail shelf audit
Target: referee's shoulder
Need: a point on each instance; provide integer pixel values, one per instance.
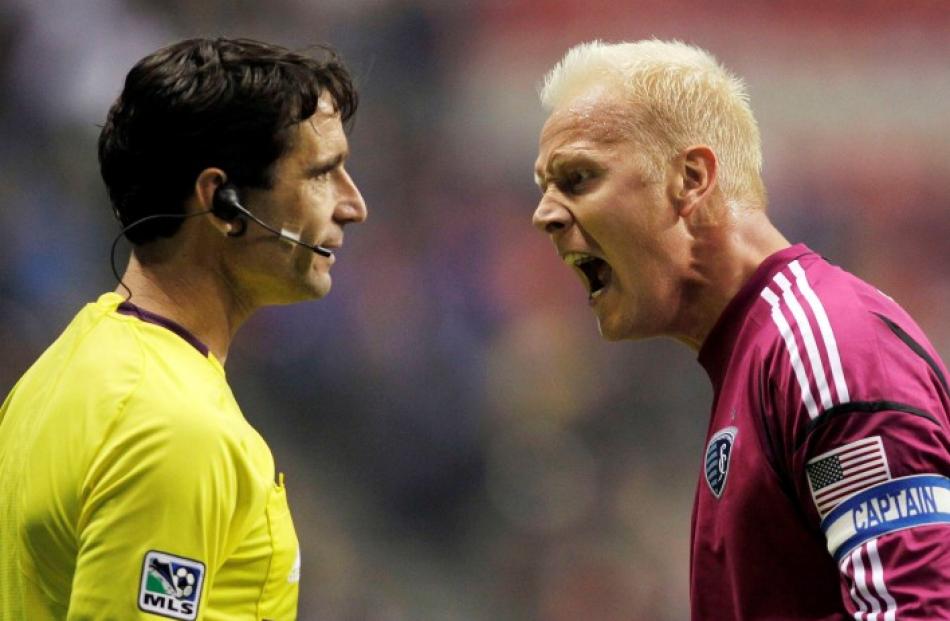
(161, 390)
(200, 416)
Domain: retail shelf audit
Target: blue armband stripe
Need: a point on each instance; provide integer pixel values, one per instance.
(887, 507)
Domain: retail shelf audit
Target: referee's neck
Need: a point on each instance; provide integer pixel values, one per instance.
(196, 299)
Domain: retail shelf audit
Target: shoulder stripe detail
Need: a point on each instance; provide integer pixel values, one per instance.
(877, 578)
(786, 331)
(811, 346)
(824, 326)
(892, 506)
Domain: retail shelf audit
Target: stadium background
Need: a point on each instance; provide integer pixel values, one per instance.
(458, 442)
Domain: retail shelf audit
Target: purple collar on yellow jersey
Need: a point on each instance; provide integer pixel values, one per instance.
(127, 308)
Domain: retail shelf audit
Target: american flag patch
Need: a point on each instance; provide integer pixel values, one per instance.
(837, 474)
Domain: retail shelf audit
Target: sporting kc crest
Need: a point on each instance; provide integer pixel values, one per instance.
(718, 453)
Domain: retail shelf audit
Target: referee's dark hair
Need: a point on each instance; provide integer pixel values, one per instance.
(228, 103)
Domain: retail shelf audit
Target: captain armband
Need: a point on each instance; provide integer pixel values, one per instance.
(894, 505)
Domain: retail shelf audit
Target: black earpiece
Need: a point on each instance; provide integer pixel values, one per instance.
(226, 204)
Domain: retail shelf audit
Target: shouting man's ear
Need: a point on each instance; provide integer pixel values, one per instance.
(696, 170)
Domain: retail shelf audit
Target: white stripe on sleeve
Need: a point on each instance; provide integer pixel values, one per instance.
(827, 334)
(786, 331)
(811, 345)
(877, 578)
(862, 607)
(860, 581)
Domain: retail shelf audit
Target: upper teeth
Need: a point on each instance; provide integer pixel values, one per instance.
(577, 258)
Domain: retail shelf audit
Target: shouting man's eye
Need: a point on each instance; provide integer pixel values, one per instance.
(575, 179)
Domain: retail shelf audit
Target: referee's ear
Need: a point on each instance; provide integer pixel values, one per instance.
(207, 183)
(695, 178)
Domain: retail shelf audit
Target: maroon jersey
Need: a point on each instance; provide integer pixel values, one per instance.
(824, 492)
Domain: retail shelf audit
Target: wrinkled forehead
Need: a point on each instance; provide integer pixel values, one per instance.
(586, 121)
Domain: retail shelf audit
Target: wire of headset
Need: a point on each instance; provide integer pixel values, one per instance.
(129, 227)
(226, 205)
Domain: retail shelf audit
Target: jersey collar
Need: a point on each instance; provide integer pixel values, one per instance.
(128, 308)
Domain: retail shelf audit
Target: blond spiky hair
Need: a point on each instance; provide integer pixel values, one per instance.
(679, 96)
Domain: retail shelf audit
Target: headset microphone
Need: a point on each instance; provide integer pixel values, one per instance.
(227, 206)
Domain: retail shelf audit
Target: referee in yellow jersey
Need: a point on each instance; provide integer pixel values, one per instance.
(131, 486)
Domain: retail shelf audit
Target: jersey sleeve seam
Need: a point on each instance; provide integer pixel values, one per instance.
(863, 407)
(918, 349)
(116, 418)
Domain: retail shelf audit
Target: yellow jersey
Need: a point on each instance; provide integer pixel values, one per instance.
(132, 487)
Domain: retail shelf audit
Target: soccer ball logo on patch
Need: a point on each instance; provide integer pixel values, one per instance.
(718, 453)
(171, 585)
(184, 583)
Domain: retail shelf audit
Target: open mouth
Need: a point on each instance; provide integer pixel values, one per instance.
(596, 272)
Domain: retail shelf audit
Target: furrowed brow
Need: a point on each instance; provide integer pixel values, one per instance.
(539, 179)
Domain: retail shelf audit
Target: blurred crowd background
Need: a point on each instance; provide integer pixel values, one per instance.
(458, 442)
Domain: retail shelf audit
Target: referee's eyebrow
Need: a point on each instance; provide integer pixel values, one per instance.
(320, 168)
